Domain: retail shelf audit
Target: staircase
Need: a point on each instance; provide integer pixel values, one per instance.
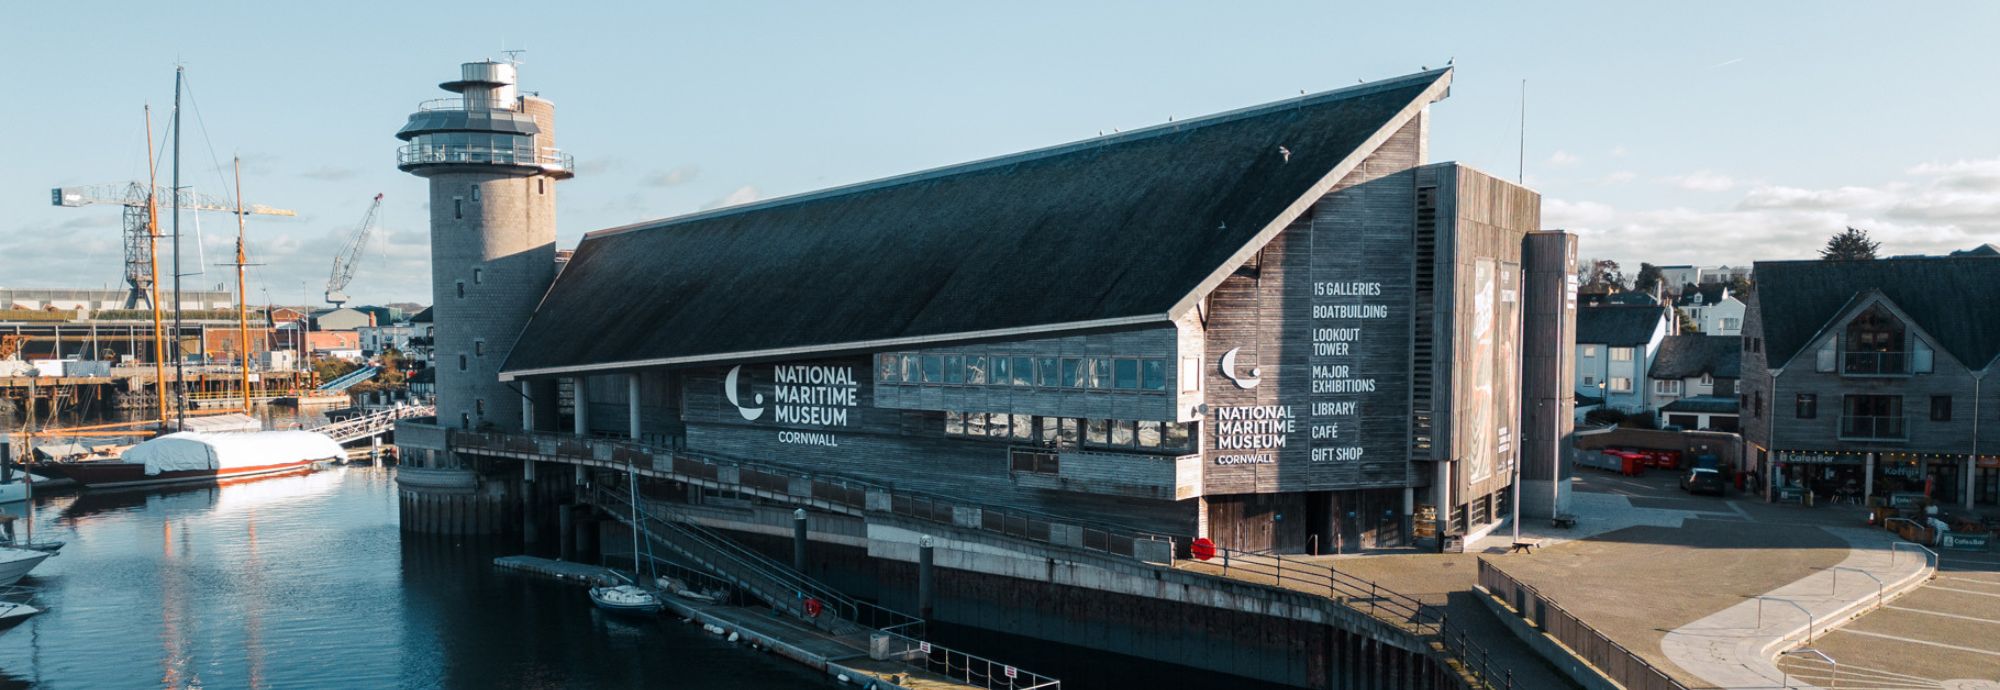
(769, 581)
(348, 380)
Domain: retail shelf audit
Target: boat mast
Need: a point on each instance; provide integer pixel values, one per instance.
(153, 261)
(242, 301)
(632, 490)
(180, 381)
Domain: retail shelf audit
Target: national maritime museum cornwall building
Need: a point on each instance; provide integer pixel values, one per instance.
(1279, 327)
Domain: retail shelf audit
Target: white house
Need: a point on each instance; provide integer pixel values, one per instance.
(1615, 346)
(1713, 309)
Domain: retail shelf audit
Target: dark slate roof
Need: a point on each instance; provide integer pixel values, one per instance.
(1955, 300)
(1109, 231)
(1985, 250)
(1618, 325)
(1711, 294)
(1703, 403)
(1694, 354)
(422, 316)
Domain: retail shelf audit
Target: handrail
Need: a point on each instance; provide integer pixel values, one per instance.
(966, 668)
(858, 612)
(463, 103)
(1348, 590)
(851, 493)
(1625, 667)
(1810, 620)
(1933, 561)
(1879, 585)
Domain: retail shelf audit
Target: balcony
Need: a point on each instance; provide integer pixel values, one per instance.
(1874, 428)
(1875, 363)
(411, 156)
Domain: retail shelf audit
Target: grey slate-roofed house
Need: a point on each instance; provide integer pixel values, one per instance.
(1874, 377)
(1615, 344)
(1198, 328)
(1693, 378)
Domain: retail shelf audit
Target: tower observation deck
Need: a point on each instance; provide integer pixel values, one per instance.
(490, 157)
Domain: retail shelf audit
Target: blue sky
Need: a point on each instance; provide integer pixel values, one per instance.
(1708, 133)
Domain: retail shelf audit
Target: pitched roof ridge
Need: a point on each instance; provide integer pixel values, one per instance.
(1148, 132)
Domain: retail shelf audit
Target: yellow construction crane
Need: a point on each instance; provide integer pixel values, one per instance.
(137, 200)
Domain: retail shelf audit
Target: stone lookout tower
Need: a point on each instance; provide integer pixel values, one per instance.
(490, 155)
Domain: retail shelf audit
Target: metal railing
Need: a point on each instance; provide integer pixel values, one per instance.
(780, 587)
(965, 668)
(1876, 427)
(1931, 560)
(1353, 592)
(826, 492)
(1875, 363)
(463, 103)
(1622, 665)
(452, 154)
(373, 422)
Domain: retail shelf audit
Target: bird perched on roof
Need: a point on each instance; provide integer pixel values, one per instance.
(1286, 153)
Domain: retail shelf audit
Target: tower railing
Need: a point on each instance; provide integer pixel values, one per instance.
(463, 103)
(452, 154)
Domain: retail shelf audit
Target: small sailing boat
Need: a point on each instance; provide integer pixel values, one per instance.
(626, 599)
(15, 563)
(15, 613)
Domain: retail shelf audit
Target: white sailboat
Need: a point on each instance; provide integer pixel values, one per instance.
(15, 563)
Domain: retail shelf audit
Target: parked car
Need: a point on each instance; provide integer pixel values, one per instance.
(1704, 480)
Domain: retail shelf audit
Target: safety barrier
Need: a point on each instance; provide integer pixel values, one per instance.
(1621, 665)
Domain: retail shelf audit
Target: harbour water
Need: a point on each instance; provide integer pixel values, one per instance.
(304, 581)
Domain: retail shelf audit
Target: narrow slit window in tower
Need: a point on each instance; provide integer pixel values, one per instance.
(458, 207)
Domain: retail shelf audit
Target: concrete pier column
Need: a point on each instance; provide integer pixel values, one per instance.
(527, 411)
(632, 403)
(1409, 522)
(531, 531)
(566, 531)
(1867, 479)
(1965, 480)
(926, 579)
(580, 386)
(799, 540)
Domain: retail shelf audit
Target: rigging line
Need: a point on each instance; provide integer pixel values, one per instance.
(222, 183)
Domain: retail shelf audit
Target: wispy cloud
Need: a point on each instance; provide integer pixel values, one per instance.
(1703, 181)
(670, 178)
(1563, 159)
(1725, 63)
(741, 195)
(329, 174)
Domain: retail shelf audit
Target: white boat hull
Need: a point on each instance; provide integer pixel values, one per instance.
(13, 491)
(15, 564)
(12, 614)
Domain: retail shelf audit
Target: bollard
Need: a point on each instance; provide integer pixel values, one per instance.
(799, 540)
(926, 579)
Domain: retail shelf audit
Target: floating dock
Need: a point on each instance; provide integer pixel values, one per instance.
(842, 657)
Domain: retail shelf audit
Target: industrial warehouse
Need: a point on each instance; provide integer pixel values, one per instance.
(1278, 327)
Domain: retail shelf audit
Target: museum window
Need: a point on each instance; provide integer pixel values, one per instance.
(1047, 375)
(1123, 432)
(1003, 372)
(1940, 408)
(458, 208)
(1034, 461)
(461, 289)
(1097, 372)
(1072, 372)
(1190, 374)
(1807, 406)
(954, 423)
(1024, 371)
(887, 366)
(933, 368)
(975, 370)
(461, 362)
(1125, 374)
(464, 420)
(954, 369)
(475, 192)
(1097, 431)
(479, 348)
(541, 185)
(1149, 434)
(1153, 374)
(479, 407)
(478, 276)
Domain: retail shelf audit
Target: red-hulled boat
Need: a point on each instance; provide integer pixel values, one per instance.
(193, 456)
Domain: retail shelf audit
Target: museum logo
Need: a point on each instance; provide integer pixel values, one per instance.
(1229, 371)
(729, 389)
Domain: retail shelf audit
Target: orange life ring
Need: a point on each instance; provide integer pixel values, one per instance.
(813, 607)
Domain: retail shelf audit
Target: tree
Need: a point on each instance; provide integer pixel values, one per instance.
(1602, 275)
(1741, 287)
(1687, 324)
(1648, 278)
(1851, 245)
